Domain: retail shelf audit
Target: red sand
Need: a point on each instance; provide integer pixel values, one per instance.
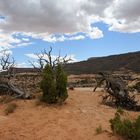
(75, 120)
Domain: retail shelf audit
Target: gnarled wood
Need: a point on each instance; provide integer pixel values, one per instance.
(10, 89)
(7, 63)
(116, 91)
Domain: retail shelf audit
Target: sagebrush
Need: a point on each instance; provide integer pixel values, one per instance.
(123, 126)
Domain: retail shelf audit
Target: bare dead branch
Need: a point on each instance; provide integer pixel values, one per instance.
(117, 92)
(45, 57)
(6, 61)
(32, 64)
(7, 64)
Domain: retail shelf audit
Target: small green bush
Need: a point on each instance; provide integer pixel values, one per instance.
(10, 108)
(125, 127)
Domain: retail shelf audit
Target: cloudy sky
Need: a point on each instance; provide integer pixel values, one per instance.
(79, 28)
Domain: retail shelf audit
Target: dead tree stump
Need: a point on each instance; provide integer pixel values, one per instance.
(117, 92)
(6, 73)
(7, 88)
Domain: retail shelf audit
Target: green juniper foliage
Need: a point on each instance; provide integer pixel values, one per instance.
(61, 84)
(54, 84)
(48, 85)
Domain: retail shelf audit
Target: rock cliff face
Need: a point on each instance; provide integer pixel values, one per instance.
(123, 62)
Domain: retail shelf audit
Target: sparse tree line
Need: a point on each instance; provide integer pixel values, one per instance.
(54, 81)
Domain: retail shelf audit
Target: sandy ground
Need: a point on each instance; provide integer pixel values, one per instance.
(75, 120)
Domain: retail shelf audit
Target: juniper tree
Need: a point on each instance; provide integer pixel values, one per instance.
(61, 84)
(54, 79)
(48, 85)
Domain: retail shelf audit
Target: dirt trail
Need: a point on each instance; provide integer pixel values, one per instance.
(76, 120)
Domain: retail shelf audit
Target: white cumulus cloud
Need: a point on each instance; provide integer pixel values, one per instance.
(44, 19)
(95, 33)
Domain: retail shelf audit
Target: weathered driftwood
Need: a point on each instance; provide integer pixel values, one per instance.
(9, 89)
(6, 73)
(116, 91)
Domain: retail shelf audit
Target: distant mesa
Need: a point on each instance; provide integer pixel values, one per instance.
(128, 61)
(92, 58)
(121, 62)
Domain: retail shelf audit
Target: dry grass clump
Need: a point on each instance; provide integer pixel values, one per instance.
(5, 99)
(99, 129)
(38, 100)
(10, 108)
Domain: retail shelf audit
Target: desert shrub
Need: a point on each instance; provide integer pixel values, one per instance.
(125, 127)
(54, 85)
(48, 85)
(10, 108)
(99, 130)
(120, 111)
(61, 84)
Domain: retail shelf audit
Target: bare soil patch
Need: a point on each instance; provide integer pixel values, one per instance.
(77, 119)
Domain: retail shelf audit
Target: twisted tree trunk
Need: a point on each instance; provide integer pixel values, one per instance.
(116, 91)
(9, 89)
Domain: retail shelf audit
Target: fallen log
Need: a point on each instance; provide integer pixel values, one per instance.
(10, 89)
(6, 73)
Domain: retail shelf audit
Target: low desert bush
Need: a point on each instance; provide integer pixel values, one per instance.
(123, 126)
(10, 108)
(99, 129)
